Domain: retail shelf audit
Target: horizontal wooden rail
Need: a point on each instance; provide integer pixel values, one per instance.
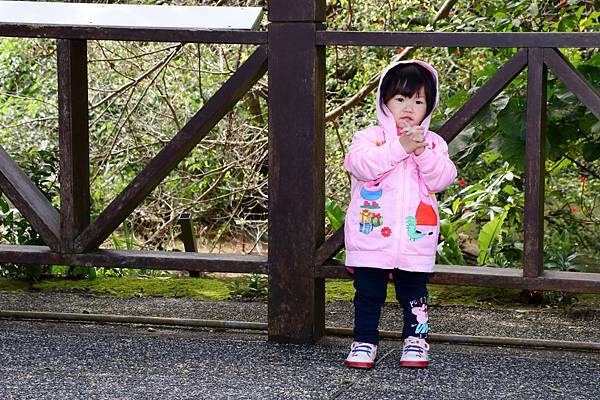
(577, 282)
(133, 34)
(459, 39)
(165, 260)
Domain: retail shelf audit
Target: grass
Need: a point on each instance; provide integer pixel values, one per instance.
(439, 294)
(218, 289)
(197, 288)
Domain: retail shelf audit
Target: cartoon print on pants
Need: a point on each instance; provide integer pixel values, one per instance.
(419, 308)
(425, 220)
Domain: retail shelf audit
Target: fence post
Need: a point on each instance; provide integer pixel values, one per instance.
(187, 237)
(296, 170)
(73, 141)
(533, 252)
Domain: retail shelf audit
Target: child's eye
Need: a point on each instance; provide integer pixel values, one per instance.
(400, 99)
(419, 102)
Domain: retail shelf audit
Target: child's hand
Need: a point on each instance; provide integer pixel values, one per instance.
(413, 139)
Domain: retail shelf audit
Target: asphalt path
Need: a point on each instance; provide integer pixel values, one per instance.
(47, 360)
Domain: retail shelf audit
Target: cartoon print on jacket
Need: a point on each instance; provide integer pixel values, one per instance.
(425, 220)
(370, 219)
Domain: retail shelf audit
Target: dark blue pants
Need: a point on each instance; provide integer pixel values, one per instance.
(370, 286)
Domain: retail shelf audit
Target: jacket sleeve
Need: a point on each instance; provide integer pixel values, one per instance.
(368, 160)
(436, 168)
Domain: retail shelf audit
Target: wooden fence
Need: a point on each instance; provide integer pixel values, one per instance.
(299, 257)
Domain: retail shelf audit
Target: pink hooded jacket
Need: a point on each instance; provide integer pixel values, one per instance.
(392, 220)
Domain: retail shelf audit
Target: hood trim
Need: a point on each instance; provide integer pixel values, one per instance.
(384, 116)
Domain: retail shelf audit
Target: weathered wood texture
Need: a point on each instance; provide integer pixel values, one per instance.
(188, 238)
(533, 251)
(297, 10)
(73, 140)
(296, 182)
(331, 247)
(137, 259)
(29, 200)
(168, 158)
(577, 282)
(460, 39)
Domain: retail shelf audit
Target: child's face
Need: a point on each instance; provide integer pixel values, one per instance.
(408, 111)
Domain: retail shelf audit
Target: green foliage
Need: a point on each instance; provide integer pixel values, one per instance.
(142, 93)
(490, 209)
(487, 235)
(560, 254)
(335, 215)
(253, 287)
(449, 251)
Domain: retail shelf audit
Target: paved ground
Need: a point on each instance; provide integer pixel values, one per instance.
(573, 323)
(44, 360)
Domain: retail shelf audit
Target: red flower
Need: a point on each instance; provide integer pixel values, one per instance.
(465, 212)
(380, 20)
(457, 52)
(582, 179)
(574, 209)
(399, 50)
(462, 182)
(386, 232)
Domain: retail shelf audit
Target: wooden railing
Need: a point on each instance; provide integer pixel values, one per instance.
(299, 258)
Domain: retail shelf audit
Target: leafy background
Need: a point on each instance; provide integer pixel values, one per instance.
(141, 94)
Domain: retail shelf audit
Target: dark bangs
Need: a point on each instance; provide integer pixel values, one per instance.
(406, 80)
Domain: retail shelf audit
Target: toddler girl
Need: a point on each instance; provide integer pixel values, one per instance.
(392, 222)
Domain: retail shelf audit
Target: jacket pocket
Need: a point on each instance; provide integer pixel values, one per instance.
(370, 223)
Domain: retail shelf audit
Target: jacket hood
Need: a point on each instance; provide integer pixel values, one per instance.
(386, 120)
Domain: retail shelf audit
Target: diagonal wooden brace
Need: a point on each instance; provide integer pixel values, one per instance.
(484, 96)
(175, 151)
(330, 247)
(30, 201)
(566, 72)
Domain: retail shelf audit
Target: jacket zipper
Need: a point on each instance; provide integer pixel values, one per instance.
(402, 211)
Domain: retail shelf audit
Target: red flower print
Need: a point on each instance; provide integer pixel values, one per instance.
(462, 182)
(457, 52)
(399, 50)
(574, 209)
(385, 231)
(582, 179)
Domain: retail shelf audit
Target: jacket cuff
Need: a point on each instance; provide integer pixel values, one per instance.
(426, 161)
(397, 151)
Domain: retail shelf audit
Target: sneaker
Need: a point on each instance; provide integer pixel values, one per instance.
(415, 353)
(362, 355)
